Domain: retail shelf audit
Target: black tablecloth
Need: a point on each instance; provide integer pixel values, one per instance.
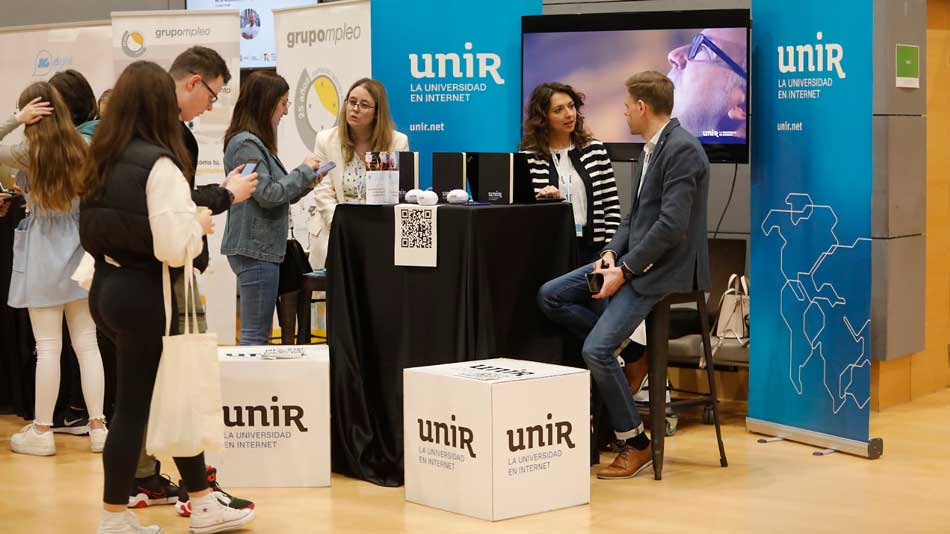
(478, 303)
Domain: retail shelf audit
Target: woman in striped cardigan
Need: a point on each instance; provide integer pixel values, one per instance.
(566, 162)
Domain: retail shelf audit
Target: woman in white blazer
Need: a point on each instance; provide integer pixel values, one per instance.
(365, 125)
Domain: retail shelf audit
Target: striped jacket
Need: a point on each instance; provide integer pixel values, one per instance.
(603, 201)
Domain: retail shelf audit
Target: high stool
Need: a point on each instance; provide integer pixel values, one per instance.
(658, 330)
(312, 281)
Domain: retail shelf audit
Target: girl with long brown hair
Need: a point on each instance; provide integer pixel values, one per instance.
(137, 217)
(364, 125)
(255, 238)
(46, 252)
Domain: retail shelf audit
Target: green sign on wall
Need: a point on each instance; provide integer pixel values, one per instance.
(908, 66)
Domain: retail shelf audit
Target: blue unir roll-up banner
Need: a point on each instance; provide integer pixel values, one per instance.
(452, 70)
(811, 216)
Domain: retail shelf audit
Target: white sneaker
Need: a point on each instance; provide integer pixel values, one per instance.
(97, 439)
(209, 515)
(124, 523)
(29, 441)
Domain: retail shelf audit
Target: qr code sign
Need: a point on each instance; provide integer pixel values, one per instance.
(416, 229)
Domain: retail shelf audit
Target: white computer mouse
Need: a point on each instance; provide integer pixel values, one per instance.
(457, 196)
(427, 198)
(412, 195)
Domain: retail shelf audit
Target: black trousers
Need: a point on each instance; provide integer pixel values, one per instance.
(128, 307)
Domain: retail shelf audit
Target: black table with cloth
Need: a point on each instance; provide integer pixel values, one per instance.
(480, 302)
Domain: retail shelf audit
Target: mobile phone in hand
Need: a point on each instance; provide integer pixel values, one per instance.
(595, 282)
(324, 169)
(250, 166)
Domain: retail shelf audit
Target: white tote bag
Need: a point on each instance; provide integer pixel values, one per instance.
(733, 318)
(186, 416)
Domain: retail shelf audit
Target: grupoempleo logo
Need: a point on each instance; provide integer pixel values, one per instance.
(133, 44)
(316, 104)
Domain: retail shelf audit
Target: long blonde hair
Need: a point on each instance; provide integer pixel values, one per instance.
(383, 125)
(57, 152)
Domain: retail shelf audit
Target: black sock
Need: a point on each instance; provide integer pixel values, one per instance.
(640, 441)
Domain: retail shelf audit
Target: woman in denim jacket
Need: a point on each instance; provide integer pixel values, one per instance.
(255, 238)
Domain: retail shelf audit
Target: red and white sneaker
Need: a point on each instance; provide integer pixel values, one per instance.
(211, 515)
(183, 504)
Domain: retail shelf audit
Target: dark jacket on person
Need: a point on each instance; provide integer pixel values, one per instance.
(663, 239)
(211, 196)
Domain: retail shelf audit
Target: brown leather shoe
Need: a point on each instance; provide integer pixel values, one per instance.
(628, 464)
(636, 372)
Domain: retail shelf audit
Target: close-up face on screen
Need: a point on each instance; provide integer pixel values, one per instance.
(707, 67)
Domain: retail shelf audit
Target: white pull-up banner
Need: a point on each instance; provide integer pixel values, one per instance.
(160, 36)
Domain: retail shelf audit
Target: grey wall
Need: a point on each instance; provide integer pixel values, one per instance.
(30, 12)
(899, 128)
(735, 223)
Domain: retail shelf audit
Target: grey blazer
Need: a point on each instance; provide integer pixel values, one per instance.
(258, 227)
(663, 239)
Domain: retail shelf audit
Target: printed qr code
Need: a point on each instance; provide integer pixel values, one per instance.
(416, 229)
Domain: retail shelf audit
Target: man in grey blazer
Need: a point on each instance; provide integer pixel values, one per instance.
(660, 248)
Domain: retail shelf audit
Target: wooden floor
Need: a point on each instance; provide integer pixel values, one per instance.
(776, 487)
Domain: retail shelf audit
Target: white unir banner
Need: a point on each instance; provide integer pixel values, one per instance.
(160, 36)
(35, 53)
(321, 51)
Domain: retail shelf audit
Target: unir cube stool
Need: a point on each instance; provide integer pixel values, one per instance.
(276, 402)
(496, 439)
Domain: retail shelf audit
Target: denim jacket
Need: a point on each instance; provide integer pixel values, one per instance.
(257, 228)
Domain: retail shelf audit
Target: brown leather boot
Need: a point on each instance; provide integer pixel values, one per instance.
(628, 464)
(636, 372)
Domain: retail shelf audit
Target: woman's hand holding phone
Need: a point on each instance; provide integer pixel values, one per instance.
(322, 171)
(312, 161)
(242, 181)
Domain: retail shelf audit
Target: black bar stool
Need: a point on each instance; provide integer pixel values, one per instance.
(312, 281)
(658, 341)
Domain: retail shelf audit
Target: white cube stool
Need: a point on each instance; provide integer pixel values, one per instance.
(496, 439)
(276, 416)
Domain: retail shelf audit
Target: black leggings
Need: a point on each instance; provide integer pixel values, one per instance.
(128, 306)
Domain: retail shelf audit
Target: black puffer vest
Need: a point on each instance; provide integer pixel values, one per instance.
(115, 223)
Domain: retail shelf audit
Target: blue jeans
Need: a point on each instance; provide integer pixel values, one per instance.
(604, 328)
(258, 281)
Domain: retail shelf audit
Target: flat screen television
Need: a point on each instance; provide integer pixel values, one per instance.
(705, 53)
(258, 45)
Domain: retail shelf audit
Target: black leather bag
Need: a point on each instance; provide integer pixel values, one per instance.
(294, 266)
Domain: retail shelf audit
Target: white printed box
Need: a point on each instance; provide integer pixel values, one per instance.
(496, 439)
(276, 403)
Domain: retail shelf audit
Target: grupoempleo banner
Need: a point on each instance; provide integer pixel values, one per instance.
(321, 51)
(160, 36)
